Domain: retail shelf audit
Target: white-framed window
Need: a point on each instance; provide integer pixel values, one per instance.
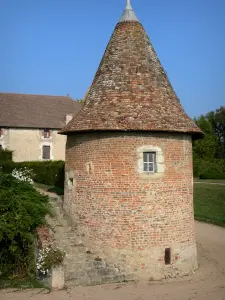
(149, 162)
(46, 152)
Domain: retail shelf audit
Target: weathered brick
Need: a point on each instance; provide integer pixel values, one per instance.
(127, 217)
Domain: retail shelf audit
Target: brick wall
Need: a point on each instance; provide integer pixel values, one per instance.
(127, 216)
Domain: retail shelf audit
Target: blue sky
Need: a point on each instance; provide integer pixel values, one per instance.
(54, 46)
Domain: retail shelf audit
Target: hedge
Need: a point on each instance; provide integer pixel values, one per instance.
(212, 175)
(210, 169)
(5, 155)
(46, 172)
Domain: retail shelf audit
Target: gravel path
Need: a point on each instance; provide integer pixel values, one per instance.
(208, 283)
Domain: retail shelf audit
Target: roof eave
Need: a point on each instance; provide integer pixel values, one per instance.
(195, 134)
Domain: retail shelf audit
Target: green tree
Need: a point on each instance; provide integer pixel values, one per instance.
(207, 147)
(217, 119)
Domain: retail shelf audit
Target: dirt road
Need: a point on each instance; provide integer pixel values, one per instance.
(208, 283)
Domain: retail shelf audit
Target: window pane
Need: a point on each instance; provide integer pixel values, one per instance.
(149, 161)
(46, 152)
(151, 157)
(145, 167)
(145, 155)
(150, 167)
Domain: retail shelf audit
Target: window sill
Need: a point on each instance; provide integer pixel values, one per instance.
(152, 175)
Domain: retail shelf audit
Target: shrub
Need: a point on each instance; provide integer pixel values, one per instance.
(23, 174)
(49, 257)
(5, 155)
(202, 166)
(22, 209)
(46, 172)
(212, 174)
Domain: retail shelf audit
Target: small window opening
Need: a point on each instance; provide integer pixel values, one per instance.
(46, 152)
(167, 256)
(149, 162)
(46, 133)
(1, 132)
(71, 181)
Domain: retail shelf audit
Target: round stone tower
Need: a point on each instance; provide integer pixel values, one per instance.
(129, 182)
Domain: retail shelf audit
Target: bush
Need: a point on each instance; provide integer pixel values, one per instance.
(212, 175)
(5, 155)
(23, 209)
(49, 257)
(215, 166)
(46, 172)
(23, 174)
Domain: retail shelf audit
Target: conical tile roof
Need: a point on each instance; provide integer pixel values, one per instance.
(131, 91)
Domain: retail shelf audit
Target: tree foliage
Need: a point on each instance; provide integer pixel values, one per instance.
(209, 153)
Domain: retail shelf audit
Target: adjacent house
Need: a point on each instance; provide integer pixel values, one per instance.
(29, 125)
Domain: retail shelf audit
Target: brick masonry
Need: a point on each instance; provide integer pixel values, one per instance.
(127, 216)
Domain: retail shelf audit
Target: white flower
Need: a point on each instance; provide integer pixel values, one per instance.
(23, 174)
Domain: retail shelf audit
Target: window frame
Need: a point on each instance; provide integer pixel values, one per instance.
(160, 161)
(43, 152)
(46, 133)
(149, 159)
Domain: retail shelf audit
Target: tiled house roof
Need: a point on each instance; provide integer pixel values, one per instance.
(131, 91)
(35, 111)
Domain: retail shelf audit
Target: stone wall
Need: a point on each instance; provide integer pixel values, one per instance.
(127, 216)
(26, 144)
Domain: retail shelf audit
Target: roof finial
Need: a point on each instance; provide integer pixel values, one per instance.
(128, 14)
(128, 5)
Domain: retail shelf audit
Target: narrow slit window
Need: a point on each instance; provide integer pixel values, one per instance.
(71, 181)
(149, 162)
(167, 256)
(46, 150)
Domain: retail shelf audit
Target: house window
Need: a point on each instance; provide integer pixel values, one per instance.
(149, 162)
(1, 132)
(46, 150)
(46, 133)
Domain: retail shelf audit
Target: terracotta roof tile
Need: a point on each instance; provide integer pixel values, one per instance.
(35, 111)
(131, 90)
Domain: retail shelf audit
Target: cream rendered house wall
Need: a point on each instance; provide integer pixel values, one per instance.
(27, 144)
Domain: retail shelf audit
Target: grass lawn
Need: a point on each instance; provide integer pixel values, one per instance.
(220, 181)
(209, 201)
(51, 189)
